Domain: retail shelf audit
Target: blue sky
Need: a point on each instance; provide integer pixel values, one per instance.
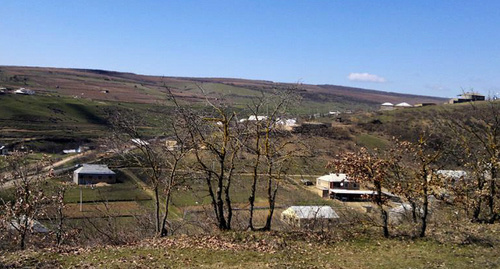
(422, 47)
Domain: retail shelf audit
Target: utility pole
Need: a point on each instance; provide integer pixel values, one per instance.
(81, 199)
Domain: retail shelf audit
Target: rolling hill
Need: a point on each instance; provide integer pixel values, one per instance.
(128, 87)
(74, 103)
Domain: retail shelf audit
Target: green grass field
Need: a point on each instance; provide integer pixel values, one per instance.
(245, 250)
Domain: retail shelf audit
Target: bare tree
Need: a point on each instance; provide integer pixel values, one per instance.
(160, 160)
(475, 141)
(215, 139)
(414, 169)
(29, 200)
(267, 145)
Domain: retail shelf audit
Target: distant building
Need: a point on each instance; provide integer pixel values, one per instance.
(334, 113)
(24, 91)
(403, 105)
(257, 118)
(139, 142)
(93, 173)
(34, 225)
(467, 97)
(325, 184)
(3, 150)
(171, 144)
(77, 150)
(309, 216)
(387, 106)
(337, 186)
(425, 104)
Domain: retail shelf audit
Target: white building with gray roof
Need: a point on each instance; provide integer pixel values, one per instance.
(93, 173)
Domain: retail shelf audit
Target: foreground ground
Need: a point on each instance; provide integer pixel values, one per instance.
(265, 250)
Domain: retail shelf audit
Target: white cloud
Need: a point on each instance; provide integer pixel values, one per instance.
(365, 77)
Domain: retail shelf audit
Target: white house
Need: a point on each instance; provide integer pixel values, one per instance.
(257, 118)
(336, 181)
(403, 105)
(93, 173)
(308, 216)
(387, 106)
(24, 91)
(337, 186)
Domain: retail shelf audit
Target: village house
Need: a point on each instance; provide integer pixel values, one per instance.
(24, 91)
(93, 174)
(337, 186)
(386, 106)
(467, 97)
(402, 105)
(309, 216)
(171, 144)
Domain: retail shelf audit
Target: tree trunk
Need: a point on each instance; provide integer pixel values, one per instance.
(157, 209)
(380, 203)
(385, 220)
(425, 208)
(413, 211)
(272, 202)
(491, 198)
(164, 228)
(476, 210)
(229, 206)
(251, 199)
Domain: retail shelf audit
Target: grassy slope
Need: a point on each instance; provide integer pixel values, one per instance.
(266, 251)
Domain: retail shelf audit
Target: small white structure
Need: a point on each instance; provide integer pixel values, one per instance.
(93, 173)
(403, 105)
(403, 211)
(34, 225)
(455, 174)
(3, 150)
(257, 118)
(387, 106)
(308, 216)
(69, 151)
(139, 142)
(24, 91)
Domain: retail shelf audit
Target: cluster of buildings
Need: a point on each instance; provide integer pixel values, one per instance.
(463, 98)
(22, 91)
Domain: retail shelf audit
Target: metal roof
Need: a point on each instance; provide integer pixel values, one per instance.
(99, 169)
(346, 191)
(388, 104)
(311, 212)
(455, 174)
(359, 192)
(334, 178)
(404, 104)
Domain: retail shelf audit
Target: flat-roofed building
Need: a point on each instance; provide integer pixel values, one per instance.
(93, 174)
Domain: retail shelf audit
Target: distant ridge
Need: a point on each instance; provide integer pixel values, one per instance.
(129, 87)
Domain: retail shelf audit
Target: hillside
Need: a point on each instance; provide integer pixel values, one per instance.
(128, 87)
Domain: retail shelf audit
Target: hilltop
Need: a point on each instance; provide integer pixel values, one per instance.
(128, 87)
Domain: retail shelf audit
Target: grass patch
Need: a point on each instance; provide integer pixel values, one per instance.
(370, 141)
(267, 251)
